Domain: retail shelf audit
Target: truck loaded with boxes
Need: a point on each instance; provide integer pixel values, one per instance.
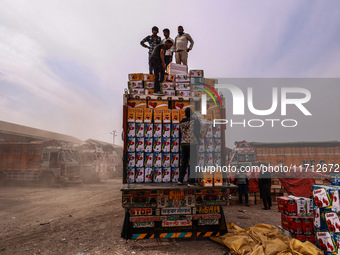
(155, 205)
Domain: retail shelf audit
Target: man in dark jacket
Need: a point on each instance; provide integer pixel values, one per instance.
(153, 40)
(242, 182)
(265, 186)
(190, 134)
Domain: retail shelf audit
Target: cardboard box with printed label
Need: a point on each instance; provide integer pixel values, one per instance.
(217, 158)
(166, 144)
(208, 144)
(148, 144)
(325, 241)
(135, 76)
(183, 93)
(174, 174)
(135, 85)
(300, 205)
(207, 180)
(139, 129)
(139, 176)
(148, 77)
(169, 92)
(174, 147)
(209, 133)
(209, 159)
(196, 80)
(148, 159)
(167, 86)
(321, 196)
(131, 115)
(166, 162)
(169, 77)
(130, 175)
(175, 130)
(218, 178)
(182, 78)
(217, 131)
(201, 159)
(182, 86)
(131, 129)
(157, 130)
(157, 116)
(196, 73)
(182, 115)
(174, 160)
(148, 130)
(139, 144)
(174, 68)
(139, 159)
(166, 130)
(136, 103)
(149, 85)
(148, 115)
(131, 159)
(131, 144)
(157, 159)
(157, 144)
(137, 91)
(217, 144)
(167, 116)
(157, 174)
(175, 116)
(210, 82)
(139, 115)
(166, 174)
(201, 146)
(158, 104)
(149, 91)
(148, 174)
(180, 105)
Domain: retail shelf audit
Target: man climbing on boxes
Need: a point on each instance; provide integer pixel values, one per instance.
(157, 62)
(153, 40)
(181, 46)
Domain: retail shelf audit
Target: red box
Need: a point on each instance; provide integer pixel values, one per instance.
(307, 225)
(301, 238)
(295, 225)
(287, 206)
(284, 221)
(311, 238)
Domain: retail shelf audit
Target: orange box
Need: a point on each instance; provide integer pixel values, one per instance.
(180, 104)
(207, 180)
(137, 103)
(158, 104)
(175, 116)
(135, 76)
(169, 77)
(148, 115)
(131, 115)
(149, 91)
(166, 116)
(181, 115)
(157, 115)
(218, 179)
(148, 77)
(139, 115)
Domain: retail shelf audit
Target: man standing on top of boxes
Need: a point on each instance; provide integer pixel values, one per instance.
(157, 62)
(153, 41)
(181, 46)
(169, 52)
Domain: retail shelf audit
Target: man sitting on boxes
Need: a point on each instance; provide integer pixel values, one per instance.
(190, 133)
(157, 62)
(181, 46)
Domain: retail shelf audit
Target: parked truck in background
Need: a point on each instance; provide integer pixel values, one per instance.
(48, 162)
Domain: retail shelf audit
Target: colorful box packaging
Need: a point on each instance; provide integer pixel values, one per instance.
(180, 104)
(157, 116)
(287, 206)
(217, 131)
(218, 179)
(175, 116)
(201, 159)
(217, 158)
(284, 222)
(168, 92)
(131, 115)
(135, 76)
(148, 159)
(183, 93)
(139, 115)
(135, 84)
(148, 130)
(325, 241)
(307, 225)
(321, 196)
(169, 77)
(209, 159)
(174, 68)
(201, 146)
(139, 176)
(167, 86)
(148, 144)
(207, 180)
(209, 133)
(149, 85)
(157, 130)
(148, 77)
(182, 115)
(149, 92)
(139, 144)
(157, 159)
(131, 144)
(182, 86)
(217, 144)
(196, 73)
(157, 144)
(157, 174)
(196, 80)
(174, 174)
(148, 115)
(139, 159)
(174, 160)
(174, 131)
(174, 147)
(182, 78)
(158, 104)
(131, 159)
(166, 174)
(295, 225)
(131, 129)
(210, 82)
(136, 103)
(148, 174)
(166, 116)
(139, 129)
(333, 222)
(166, 130)
(166, 159)
(166, 141)
(208, 142)
(301, 205)
(130, 175)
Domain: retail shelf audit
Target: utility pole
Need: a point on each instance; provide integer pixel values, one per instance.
(114, 135)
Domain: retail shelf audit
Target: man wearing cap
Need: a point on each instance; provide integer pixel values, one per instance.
(153, 41)
(181, 46)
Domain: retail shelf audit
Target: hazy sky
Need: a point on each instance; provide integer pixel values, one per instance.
(64, 64)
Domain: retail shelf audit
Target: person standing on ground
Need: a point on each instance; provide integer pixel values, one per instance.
(242, 181)
(265, 183)
(181, 46)
(153, 41)
(190, 134)
(169, 52)
(157, 62)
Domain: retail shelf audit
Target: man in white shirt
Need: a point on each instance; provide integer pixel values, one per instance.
(181, 46)
(169, 52)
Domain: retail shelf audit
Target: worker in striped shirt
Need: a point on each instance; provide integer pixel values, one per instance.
(153, 40)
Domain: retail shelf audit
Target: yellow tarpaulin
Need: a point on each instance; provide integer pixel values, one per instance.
(263, 239)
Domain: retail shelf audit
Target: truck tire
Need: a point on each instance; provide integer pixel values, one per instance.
(47, 179)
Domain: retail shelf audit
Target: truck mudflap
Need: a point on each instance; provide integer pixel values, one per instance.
(169, 226)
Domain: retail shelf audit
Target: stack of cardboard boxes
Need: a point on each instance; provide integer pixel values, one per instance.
(326, 218)
(297, 217)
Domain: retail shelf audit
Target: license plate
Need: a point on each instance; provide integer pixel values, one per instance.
(176, 194)
(208, 209)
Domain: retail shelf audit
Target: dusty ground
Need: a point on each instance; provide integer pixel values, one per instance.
(87, 219)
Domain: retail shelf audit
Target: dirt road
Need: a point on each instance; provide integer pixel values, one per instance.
(87, 219)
